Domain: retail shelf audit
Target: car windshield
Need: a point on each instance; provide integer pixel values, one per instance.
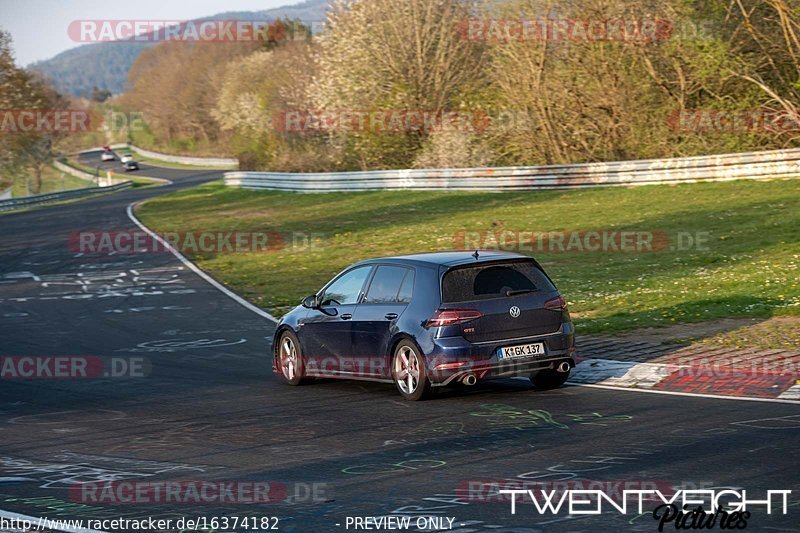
(493, 281)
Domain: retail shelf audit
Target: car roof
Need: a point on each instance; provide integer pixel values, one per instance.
(447, 259)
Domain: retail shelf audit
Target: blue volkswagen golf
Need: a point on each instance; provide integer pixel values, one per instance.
(431, 320)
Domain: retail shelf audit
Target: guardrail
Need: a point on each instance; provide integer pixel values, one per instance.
(72, 171)
(101, 180)
(38, 199)
(214, 162)
(773, 164)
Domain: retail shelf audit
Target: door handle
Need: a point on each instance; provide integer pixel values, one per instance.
(390, 316)
(346, 317)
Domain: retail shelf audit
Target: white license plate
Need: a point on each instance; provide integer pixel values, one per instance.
(523, 350)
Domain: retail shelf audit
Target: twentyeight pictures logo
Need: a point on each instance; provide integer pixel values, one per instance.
(683, 509)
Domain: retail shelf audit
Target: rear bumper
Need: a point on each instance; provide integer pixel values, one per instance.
(454, 358)
(487, 372)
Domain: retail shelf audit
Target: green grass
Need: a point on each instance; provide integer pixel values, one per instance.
(775, 333)
(53, 180)
(749, 267)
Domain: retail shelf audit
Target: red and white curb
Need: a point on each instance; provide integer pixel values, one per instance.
(695, 380)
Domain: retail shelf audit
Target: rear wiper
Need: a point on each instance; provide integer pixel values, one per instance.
(519, 291)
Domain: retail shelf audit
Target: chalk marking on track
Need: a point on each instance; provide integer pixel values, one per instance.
(197, 270)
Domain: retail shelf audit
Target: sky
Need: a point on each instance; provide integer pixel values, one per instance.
(39, 27)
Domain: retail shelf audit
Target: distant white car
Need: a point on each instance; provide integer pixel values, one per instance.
(107, 156)
(125, 158)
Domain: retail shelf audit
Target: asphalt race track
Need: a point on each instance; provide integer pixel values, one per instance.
(207, 407)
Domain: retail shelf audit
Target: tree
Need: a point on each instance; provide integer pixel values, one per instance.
(24, 152)
(175, 86)
(396, 56)
(100, 95)
(258, 90)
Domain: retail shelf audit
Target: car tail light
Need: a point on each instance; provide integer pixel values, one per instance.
(448, 317)
(556, 303)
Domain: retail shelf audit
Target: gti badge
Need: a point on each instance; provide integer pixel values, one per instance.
(514, 312)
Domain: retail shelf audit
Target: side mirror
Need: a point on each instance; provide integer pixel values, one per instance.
(310, 302)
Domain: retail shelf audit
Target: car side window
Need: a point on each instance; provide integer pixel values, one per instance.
(347, 288)
(407, 288)
(391, 284)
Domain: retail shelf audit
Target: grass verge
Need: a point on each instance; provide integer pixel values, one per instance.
(747, 262)
(53, 180)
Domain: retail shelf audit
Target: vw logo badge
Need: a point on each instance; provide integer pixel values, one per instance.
(514, 312)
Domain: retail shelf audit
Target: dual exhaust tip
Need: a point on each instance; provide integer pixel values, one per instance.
(470, 379)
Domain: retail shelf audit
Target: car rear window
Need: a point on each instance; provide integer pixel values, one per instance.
(483, 282)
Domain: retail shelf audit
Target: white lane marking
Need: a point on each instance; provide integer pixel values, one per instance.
(783, 422)
(226, 291)
(51, 522)
(792, 393)
(692, 394)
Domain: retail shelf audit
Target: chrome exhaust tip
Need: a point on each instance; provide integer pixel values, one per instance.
(563, 367)
(469, 379)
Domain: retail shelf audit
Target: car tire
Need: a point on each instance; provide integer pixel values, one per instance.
(409, 371)
(289, 360)
(549, 379)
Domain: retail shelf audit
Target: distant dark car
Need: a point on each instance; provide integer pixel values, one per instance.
(430, 320)
(130, 165)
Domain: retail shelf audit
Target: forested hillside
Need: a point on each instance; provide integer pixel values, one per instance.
(105, 65)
